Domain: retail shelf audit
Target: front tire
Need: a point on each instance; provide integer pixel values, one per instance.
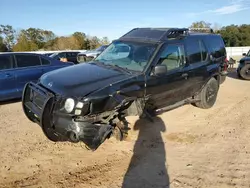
(208, 94)
(245, 72)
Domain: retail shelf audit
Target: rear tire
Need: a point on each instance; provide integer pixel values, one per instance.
(245, 72)
(222, 79)
(208, 94)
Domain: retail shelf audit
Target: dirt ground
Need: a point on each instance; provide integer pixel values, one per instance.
(186, 147)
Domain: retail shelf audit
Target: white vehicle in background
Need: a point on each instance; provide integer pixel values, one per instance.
(90, 54)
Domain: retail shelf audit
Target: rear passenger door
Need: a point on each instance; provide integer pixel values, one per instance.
(28, 69)
(197, 57)
(8, 88)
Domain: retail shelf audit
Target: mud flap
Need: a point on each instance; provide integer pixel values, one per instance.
(93, 135)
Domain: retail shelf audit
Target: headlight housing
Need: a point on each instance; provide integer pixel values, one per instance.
(73, 106)
(69, 105)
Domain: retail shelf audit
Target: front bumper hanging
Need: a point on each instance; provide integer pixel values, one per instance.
(39, 107)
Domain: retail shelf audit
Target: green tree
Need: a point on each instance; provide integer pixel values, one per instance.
(8, 34)
(105, 41)
(201, 24)
(3, 47)
(24, 44)
(81, 39)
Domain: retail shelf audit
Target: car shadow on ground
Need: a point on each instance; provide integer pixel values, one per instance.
(10, 101)
(148, 164)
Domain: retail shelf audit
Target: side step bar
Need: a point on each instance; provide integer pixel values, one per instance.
(176, 105)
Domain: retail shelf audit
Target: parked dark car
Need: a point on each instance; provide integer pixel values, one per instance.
(17, 69)
(90, 54)
(70, 55)
(157, 71)
(243, 69)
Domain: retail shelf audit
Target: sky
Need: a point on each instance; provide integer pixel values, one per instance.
(113, 18)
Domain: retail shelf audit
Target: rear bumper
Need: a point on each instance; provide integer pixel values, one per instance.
(41, 106)
(224, 73)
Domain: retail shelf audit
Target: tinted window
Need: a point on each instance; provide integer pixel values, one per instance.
(69, 54)
(173, 56)
(27, 60)
(194, 50)
(217, 46)
(203, 51)
(45, 61)
(5, 62)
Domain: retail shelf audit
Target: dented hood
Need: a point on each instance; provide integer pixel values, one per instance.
(81, 80)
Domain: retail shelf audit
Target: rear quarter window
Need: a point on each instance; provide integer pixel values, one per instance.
(217, 46)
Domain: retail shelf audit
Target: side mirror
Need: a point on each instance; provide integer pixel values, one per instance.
(244, 54)
(159, 70)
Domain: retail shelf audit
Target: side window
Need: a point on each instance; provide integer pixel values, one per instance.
(27, 60)
(45, 61)
(204, 53)
(173, 56)
(61, 55)
(68, 54)
(217, 46)
(5, 62)
(194, 51)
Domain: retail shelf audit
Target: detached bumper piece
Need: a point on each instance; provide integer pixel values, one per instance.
(39, 107)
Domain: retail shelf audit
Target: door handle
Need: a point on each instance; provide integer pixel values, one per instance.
(184, 75)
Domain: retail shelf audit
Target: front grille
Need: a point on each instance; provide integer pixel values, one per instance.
(35, 98)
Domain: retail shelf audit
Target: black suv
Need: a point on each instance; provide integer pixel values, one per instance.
(243, 68)
(159, 69)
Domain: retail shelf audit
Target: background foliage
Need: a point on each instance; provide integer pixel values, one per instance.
(33, 39)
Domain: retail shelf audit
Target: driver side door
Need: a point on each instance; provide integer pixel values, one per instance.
(170, 87)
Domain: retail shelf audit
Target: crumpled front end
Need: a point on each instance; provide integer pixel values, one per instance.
(59, 123)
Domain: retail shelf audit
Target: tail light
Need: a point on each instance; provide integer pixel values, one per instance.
(225, 64)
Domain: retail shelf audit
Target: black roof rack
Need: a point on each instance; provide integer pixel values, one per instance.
(159, 34)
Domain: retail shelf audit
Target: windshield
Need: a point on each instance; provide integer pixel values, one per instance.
(101, 48)
(128, 55)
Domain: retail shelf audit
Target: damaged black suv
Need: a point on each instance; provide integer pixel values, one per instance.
(145, 72)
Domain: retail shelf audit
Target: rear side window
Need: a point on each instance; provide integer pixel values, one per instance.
(27, 60)
(203, 51)
(217, 46)
(69, 54)
(5, 62)
(196, 50)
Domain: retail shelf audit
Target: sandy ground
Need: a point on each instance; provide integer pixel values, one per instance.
(186, 147)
